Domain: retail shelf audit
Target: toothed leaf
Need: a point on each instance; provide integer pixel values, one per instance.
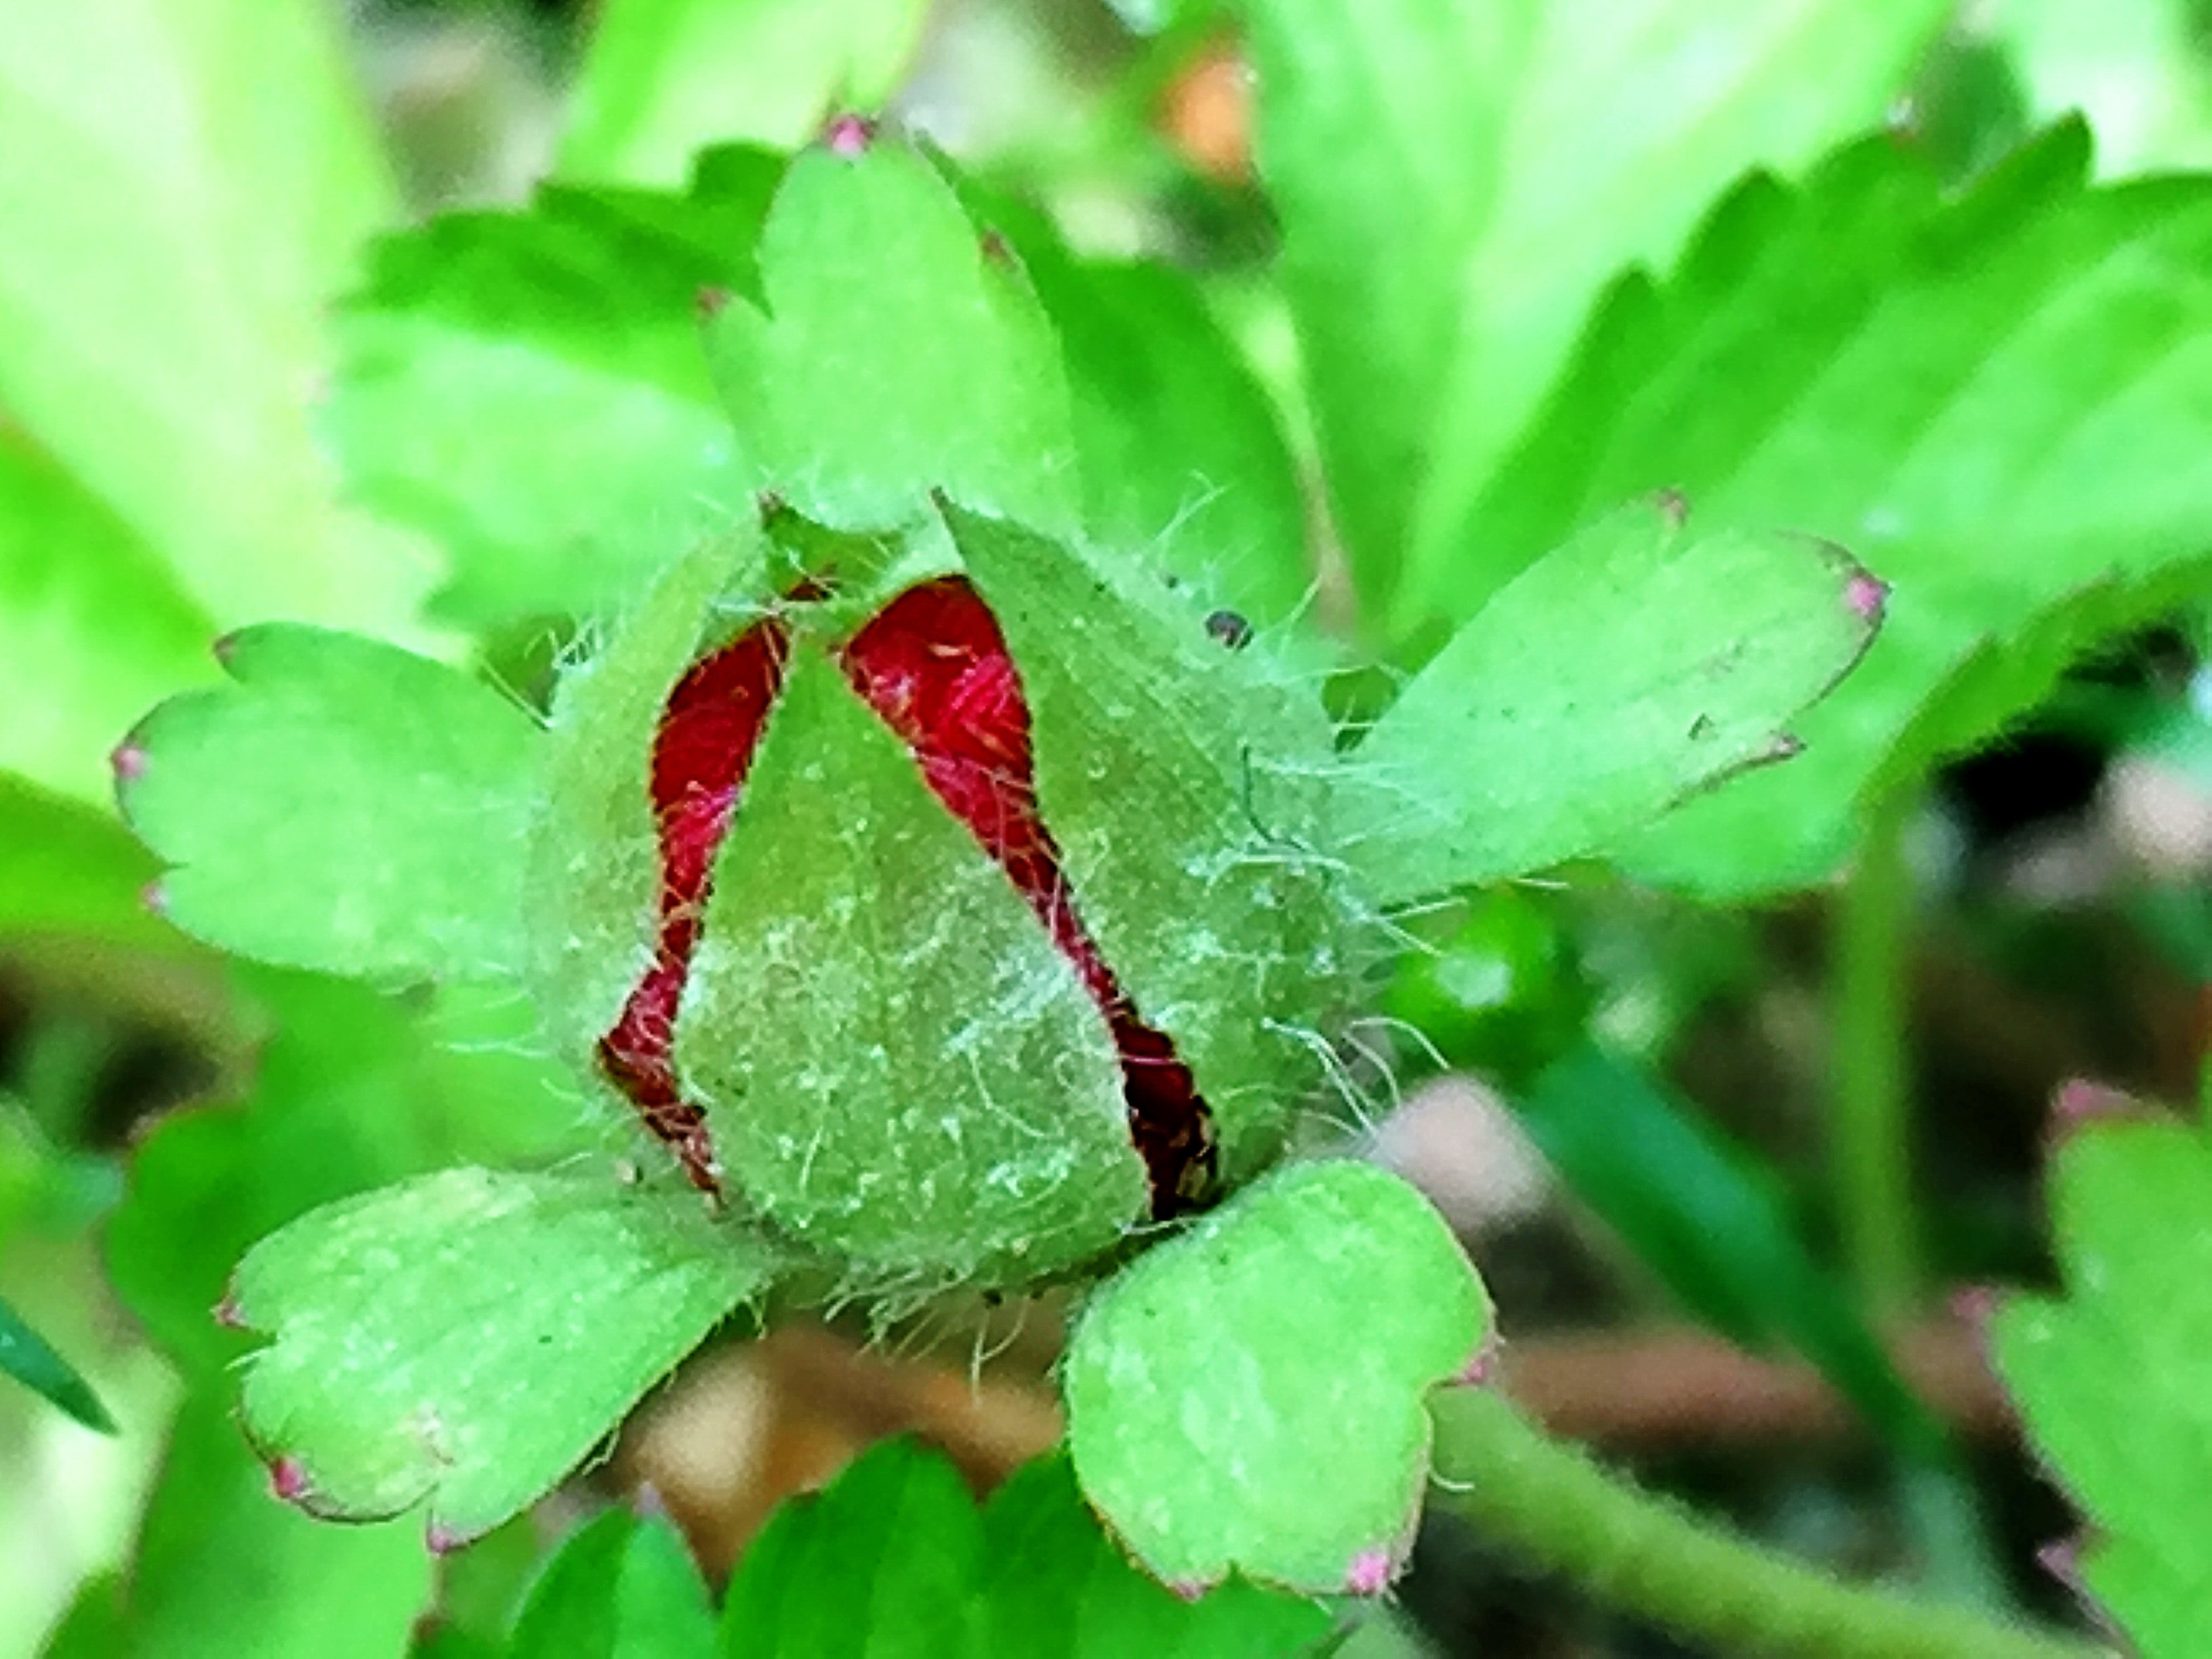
(620, 1587)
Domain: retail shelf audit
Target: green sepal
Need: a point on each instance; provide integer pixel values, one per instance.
(900, 1069)
(594, 859)
(1250, 1396)
(463, 1339)
(343, 805)
(1185, 784)
(900, 351)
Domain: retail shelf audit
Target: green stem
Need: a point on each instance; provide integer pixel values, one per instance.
(1651, 1558)
(1870, 1127)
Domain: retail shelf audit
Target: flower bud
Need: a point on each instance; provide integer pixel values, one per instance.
(950, 905)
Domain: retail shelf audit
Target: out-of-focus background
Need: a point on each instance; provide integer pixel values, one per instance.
(2048, 926)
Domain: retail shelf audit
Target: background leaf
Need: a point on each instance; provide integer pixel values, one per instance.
(1248, 1396)
(1991, 400)
(343, 804)
(1453, 190)
(1640, 662)
(620, 1587)
(184, 185)
(530, 389)
(2112, 1379)
(25, 1356)
(664, 78)
(93, 628)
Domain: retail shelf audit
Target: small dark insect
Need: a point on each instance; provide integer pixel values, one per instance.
(1229, 628)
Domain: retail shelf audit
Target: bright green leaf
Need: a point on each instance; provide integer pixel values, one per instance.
(1057, 1587)
(1182, 782)
(344, 805)
(1698, 1212)
(221, 1570)
(184, 184)
(665, 77)
(464, 1339)
(93, 629)
(619, 1588)
(1249, 1396)
(530, 388)
(881, 1565)
(897, 1064)
(1455, 178)
(25, 1356)
(901, 351)
(2113, 1379)
(2137, 72)
(1641, 662)
(66, 868)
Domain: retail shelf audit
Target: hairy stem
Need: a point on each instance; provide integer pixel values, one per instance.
(1651, 1558)
(1871, 1125)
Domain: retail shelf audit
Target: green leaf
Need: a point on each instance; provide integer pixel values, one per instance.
(93, 628)
(901, 351)
(25, 1356)
(1455, 178)
(2114, 1379)
(2136, 73)
(1991, 400)
(899, 1065)
(186, 184)
(881, 1565)
(1249, 1396)
(1712, 1224)
(619, 1588)
(343, 805)
(1182, 456)
(221, 1570)
(65, 868)
(350, 1091)
(530, 388)
(1057, 1587)
(1641, 662)
(463, 1339)
(1183, 784)
(665, 77)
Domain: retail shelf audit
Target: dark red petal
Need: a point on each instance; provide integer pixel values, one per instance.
(708, 732)
(933, 665)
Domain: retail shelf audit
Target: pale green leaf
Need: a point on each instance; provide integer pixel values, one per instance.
(898, 1065)
(664, 78)
(344, 805)
(2112, 1379)
(93, 627)
(184, 183)
(2137, 71)
(530, 388)
(1455, 178)
(902, 350)
(1645, 659)
(1250, 1396)
(464, 1339)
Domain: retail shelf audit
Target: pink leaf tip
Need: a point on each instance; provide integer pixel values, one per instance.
(127, 760)
(154, 898)
(1867, 594)
(2080, 1101)
(848, 136)
(288, 1478)
(227, 1315)
(1369, 1573)
(441, 1540)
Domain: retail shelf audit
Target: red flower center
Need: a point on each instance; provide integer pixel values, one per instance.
(933, 665)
